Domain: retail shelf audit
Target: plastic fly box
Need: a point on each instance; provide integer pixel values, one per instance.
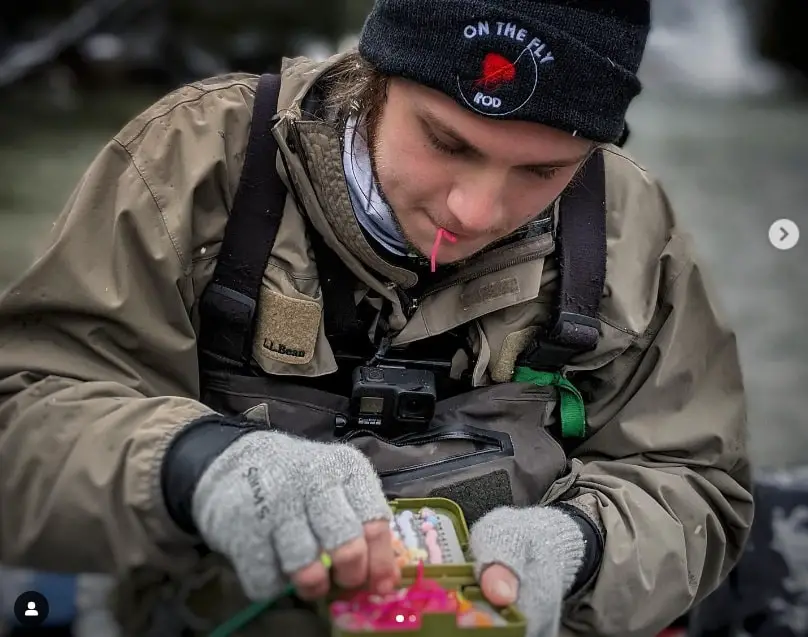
(439, 596)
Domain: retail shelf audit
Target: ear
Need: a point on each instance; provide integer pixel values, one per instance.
(624, 137)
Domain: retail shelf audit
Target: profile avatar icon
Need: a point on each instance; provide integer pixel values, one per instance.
(31, 609)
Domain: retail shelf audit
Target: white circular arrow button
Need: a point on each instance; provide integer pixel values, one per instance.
(784, 234)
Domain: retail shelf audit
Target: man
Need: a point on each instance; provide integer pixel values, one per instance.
(441, 194)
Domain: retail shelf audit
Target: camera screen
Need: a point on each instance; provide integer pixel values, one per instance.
(371, 405)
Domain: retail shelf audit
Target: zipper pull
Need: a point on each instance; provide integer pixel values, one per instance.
(408, 303)
(381, 352)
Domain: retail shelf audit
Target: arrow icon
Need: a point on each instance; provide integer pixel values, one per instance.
(784, 234)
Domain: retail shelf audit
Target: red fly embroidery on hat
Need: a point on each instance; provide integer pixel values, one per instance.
(497, 70)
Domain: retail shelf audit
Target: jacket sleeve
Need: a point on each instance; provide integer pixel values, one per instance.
(665, 476)
(98, 370)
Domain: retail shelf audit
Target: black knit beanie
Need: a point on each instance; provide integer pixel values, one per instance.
(570, 64)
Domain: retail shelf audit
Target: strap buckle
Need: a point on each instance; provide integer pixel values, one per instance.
(571, 334)
(226, 331)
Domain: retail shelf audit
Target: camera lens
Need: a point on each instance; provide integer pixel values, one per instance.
(414, 407)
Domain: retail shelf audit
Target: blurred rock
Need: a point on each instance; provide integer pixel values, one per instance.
(707, 47)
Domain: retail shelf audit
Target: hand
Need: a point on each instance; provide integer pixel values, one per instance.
(529, 557)
(272, 503)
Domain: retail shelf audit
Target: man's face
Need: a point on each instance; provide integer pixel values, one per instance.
(441, 166)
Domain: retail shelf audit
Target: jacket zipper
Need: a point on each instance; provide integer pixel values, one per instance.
(497, 448)
(470, 458)
(423, 439)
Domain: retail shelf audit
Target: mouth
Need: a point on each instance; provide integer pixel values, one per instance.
(459, 235)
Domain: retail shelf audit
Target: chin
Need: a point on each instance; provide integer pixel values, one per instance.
(458, 256)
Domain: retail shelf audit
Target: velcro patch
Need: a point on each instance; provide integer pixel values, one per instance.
(512, 347)
(478, 496)
(287, 328)
(474, 295)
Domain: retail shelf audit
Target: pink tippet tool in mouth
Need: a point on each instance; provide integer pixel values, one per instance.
(439, 236)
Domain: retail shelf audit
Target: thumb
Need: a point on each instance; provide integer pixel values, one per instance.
(499, 585)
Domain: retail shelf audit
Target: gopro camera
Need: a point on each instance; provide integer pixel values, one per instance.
(392, 398)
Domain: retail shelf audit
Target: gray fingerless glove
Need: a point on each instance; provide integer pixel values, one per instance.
(544, 547)
(271, 503)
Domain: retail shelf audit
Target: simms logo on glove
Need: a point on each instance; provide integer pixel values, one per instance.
(261, 508)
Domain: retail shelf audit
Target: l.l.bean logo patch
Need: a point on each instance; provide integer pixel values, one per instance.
(287, 327)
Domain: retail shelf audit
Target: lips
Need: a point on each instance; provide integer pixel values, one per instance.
(459, 235)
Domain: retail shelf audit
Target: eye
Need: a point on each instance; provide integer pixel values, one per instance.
(542, 173)
(442, 146)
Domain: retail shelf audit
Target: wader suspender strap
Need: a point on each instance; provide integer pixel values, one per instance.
(574, 326)
(581, 248)
(227, 306)
(343, 329)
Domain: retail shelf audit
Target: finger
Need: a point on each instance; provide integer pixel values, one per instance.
(350, 563)
(295, 544)
(340, 533)
(312, 582)
(383, 572)
(259, 572)
(332, 518)
(499, 585)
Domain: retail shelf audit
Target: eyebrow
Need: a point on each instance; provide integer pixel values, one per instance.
(437, 125)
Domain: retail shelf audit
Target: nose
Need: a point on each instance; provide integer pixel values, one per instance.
(477, 202)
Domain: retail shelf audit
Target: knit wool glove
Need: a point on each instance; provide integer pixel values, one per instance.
(271, 503)
(544, 547)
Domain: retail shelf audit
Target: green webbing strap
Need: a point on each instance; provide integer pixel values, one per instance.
(256, 609)
(244, 617)
(573, 411)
